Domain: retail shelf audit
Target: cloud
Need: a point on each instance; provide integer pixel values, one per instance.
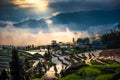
(48, 22)
(40, 5)
(83, 5)
(11, 10)
(10, 35)
(56, 13)
(4, 23)
(17, 10)
(20, 36)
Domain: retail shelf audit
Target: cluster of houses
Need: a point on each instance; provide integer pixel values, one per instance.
(92, 43)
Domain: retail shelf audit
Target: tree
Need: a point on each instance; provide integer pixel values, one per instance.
(27, 67)
(32, 46)
(16, 69)
(4, 75)
(111, 39)
(47, 55)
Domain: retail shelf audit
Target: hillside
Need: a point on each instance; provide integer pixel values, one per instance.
(88, 65)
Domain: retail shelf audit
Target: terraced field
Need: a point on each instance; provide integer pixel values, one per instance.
(4, 60)
(98, 63)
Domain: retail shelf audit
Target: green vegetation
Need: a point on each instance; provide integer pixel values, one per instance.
(38, 79)
(111, 39)
(16, 68)
(93, 62)
(95, 72)
(4, 51)
(89, 71)
(105, 77)
(74, 51)
(72, 77)
(106, 68)
(22, 58)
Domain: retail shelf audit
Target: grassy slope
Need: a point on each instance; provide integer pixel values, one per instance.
(95, 72)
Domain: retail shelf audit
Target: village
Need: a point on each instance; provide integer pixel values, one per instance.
(57, 59)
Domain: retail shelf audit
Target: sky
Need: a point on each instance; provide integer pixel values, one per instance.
(25, 22)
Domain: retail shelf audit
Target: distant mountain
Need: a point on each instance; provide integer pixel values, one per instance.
(80, 20)
(32, 23)
(115, 28)
(87, 18)
(2, 24)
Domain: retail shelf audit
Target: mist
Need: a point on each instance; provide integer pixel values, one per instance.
(11, 35)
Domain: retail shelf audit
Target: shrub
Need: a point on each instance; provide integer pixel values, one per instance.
(71, 77)
(38, 79)
(88, 71)
(106, 69)
(105, 77)
(93, 62)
